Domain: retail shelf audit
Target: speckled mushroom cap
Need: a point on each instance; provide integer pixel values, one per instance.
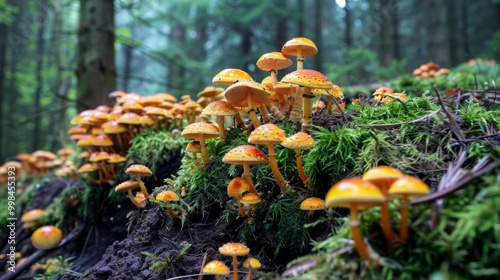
(126, 186)
(408, 186)
(139, 170)
(237, 187)
(234, 249)
(312, 203)
(353, 192)
(250, 198)
(335, 91)
(216, 267)
(308, 78)
(116, 158)
(197, 129)
(382, 176)
(284, 88)
(245, 154)
(267, 134)
(237, 94)
(252, 263)
(219, 108)
(273, 61)
(230, 76)
(129, 118)
(299, 140)
(193, 147)
(300, 44)
(210, 91)
(167, 195)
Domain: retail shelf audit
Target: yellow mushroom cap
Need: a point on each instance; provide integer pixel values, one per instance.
(88, 167)
(166, 97)
(129, 118)
(46, 237)
(306, 47)
(312, 204)
(273, 61)
(382, 176)
(230, 76)
(138, 169)
(167, 196)
(299, 140)
(199, 129)
(141, 199)
(308, 78)
(250, 198)
(237, 187)
(209, 92)
(126, 186)
(219, 108)
(245, 154)
(238, 93)
(216, 267)
(32, 215)
(353, 192)
(267, 134)
(408, 186)
(193, 147)
(252, 263)
(234, 249)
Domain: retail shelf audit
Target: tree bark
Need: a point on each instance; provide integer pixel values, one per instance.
(96, 71)
(385, 51)
(396, 43)
(464, 15)
(35, 144)
(318, 26)
(300, 21)
(452, 31)
(281, 28)
(436, 39)
(176, 70)
(3, 48)
(348, 24)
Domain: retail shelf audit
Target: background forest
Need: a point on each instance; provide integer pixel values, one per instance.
(48, 55)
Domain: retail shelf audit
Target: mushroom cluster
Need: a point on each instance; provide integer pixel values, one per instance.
(430, 70)
(376, 187)
(234, 250)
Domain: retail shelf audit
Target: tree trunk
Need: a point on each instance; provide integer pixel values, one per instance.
(281, 29)
(96, 71)
(396, 45)
(176, 70)
(3, 47)
(436, 38)
(128, 53)
(452, 31)
(348, 24)
(385, 52)
(300, 20)
(39, 85)
(464, 15)
(318, 26)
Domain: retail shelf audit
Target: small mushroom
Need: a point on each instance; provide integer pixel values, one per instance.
(236, 188)
(250, 199)
(300, 141)
(46, 237)
(234, 250)
(246, 155)
(251, 264)
(201, 131)
(216, 268)
(168, 196)
(312, 204)
(129, 186)
(140, 170)
(31, 217)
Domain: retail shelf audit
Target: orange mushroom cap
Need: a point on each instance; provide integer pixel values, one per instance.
(308, 78)
(245, 154)
(353, 192)
(267, 134)
(306, 46)
(46, 237)
(230, 76)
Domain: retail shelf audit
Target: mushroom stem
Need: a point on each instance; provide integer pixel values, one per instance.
(307, 97)
(240, 207)
(172, 213)
(403, 228)
(249, 275)
(240, 122)
(300, 59)
(385, 220)
(235, 268)
(264, 113)
(253, 117)
(274, 167)
(196, 162)
(247, 175)
(359, 244)
(204, 153)
(222, 131)
(143, 187)
(131, 196)
(300, 169)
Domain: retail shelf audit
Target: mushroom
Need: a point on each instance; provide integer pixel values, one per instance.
(299, 47)
(251, 264)
(307, 79)
(269, 134)
(46, 237)
(246, 155)
(250, 199)
(236, 188)
(383, 176)
(355, 194)
(216, 268)
(194, 147)
(234, 250)
(406, 187)
(168, 196)
(220, 109)
(31, 217)
(129, 186)
(89, 168)
(230, 76)
(248, 94)
(312, 204)
(201, 131)
(140, 170)
(300, 141)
